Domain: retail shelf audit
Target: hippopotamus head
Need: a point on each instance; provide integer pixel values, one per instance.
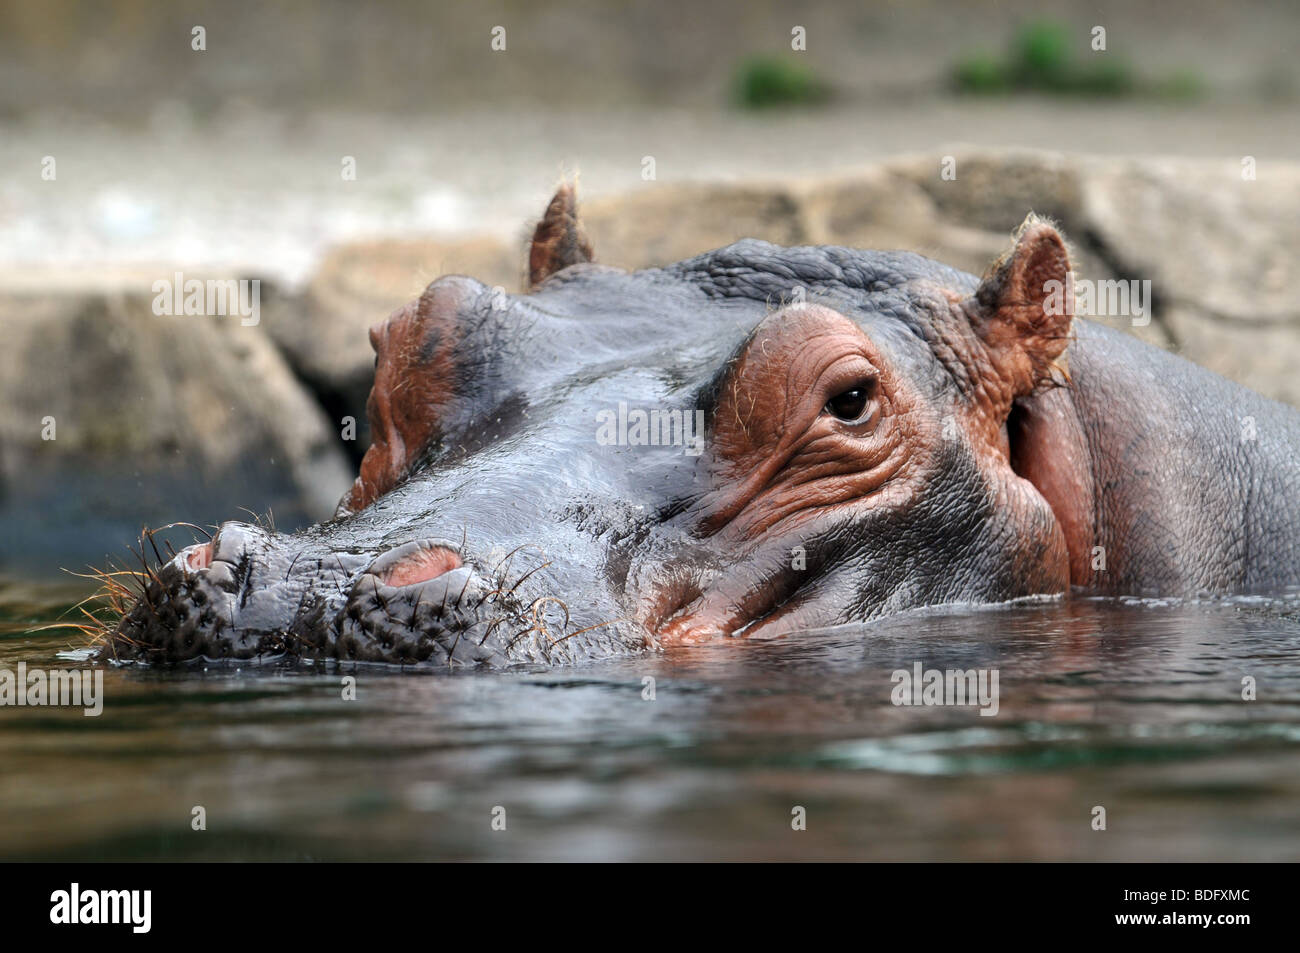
(747, 442)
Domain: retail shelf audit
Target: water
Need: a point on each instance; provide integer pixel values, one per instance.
(1133, 707)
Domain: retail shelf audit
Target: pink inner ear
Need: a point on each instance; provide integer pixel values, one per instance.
(421, 566)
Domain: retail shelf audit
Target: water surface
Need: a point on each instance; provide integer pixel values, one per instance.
(1136, 707)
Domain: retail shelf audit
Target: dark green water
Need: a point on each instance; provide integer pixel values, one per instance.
(1136, 708)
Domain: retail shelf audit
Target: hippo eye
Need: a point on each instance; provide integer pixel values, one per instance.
(853, 405)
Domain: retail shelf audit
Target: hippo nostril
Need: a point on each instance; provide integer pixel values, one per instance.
(428, 565)
(197, 557)
(415, 563)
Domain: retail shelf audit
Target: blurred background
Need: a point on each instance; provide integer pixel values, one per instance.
(345, 154)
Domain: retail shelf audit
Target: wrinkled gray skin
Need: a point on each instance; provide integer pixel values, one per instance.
(560, 534)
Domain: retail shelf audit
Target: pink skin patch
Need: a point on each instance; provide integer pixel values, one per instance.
(197, 557)
(421, 566)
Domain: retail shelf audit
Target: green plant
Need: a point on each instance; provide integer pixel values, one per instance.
(1050, 57)
(1041, 56)
(766, 81)
(981, 73)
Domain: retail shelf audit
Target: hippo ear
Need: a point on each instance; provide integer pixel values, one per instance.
(558, 240)
(1024, 306)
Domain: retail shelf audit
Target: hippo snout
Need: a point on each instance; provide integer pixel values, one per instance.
(252, 594)
(242, 594)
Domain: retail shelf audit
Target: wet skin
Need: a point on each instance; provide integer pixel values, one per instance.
(903, 435)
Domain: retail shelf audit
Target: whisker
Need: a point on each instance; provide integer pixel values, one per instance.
(468, 577)
(510, 555)
(293, 562)
(598, 625)
(492, 625)
(536, 605)
(518, 636)
(187, 526)
(525, 576)
(415, 609)
(146, 532)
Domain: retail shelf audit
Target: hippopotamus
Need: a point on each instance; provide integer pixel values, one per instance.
(746, 443)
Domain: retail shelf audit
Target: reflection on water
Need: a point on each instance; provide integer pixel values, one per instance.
(1135, 707)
